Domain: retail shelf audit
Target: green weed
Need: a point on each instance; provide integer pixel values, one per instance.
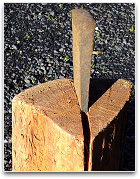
(51, 18)
(26, 74)
(27, 36)
(59, 33)
(32, 79)
(60, 6)
(132, 29)
(103, 71)
(66, 58)
(81, 7)
(92, 66)
(69, 14)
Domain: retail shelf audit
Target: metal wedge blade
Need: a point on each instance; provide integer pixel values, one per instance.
(83, 26)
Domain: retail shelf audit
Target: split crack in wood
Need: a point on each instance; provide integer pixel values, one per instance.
(86, 133)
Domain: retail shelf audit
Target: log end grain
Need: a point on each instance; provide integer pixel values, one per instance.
(108, 106)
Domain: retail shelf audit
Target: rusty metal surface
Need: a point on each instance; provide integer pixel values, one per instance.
(83, 26)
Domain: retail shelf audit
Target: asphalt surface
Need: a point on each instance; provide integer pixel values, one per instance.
(38, 48)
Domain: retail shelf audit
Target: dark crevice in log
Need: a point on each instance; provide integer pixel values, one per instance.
(97, 88)
(86, 133)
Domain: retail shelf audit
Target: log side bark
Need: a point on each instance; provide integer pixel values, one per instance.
(47, 132)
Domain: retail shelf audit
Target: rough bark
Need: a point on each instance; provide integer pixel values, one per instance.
(47, 130)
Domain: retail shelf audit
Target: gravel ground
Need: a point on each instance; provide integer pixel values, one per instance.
(38, 48)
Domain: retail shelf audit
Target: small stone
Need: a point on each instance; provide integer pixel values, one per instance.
(10, 161)
(27, 81)
(61, 50)
(10, 140)
(7, 165)
(14, 47)
(55, 51)
(18, 41)
(5, 141)
(14, 81)
(10, 110)
(62, 68)
(52, 13)
(5, 162)
(28, 85)
(61, 77)
(50, 72)
(56, 77)
(55, 22)
(42, 67)
(96, 28)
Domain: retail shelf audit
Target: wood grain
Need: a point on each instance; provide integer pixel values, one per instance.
(48, 132)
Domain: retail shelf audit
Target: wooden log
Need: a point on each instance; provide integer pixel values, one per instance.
(48, 133)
